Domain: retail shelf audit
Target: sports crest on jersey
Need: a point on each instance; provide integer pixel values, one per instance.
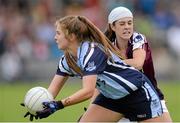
(91, 66)
(138, 38)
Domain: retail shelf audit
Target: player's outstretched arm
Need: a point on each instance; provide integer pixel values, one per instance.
(83, 94)
(88, 87)
(57, 84)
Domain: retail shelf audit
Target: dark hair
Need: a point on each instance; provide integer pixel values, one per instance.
(110, 34)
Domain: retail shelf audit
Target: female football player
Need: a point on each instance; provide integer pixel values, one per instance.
(133, 46)
(124, 90)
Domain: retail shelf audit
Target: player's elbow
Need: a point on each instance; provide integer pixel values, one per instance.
(139, 65)
(89, 93)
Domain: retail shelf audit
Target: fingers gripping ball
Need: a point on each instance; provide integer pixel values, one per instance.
(35, 97)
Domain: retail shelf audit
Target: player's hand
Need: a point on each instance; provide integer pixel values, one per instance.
(50, 108)
(31, 116)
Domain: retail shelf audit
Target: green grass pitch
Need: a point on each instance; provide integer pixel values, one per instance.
(11, 95)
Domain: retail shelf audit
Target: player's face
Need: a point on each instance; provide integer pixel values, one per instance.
(61, 40)
(123, 28)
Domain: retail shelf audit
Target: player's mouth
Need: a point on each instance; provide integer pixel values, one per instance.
(57, 42)
(127, 32)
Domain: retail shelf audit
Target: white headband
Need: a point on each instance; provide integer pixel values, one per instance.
(118, 13)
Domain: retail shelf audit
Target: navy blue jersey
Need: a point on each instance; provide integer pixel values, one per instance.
(115, 79)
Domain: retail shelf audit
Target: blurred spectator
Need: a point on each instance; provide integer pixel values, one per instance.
(173, 33)
(27, 29)
(10, 65)
(111, 4)
(173, 37)
(147, 6)
(2, 43)
(176, 11)
(40, 50)
(163, 17)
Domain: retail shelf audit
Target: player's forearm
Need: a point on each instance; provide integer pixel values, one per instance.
(56, 85)
(87, 91)
(78, 97)
(138, 64)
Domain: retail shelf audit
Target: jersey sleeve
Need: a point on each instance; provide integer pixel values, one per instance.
(63, 68)
(95, 62)
(138, 40)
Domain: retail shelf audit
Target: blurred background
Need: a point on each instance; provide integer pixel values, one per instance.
(29, 55)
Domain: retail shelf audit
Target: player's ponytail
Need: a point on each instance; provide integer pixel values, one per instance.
(97, 36)
(72, 64)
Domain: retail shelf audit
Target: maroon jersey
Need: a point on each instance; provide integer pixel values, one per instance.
(139, 41)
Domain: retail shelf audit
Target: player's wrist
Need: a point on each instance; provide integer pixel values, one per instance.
(60, 105)
(66, 101)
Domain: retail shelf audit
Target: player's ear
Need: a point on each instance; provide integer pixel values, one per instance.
(72, 37)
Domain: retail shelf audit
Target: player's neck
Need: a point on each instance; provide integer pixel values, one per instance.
(73, 49)
(121, 43)
(73, 52)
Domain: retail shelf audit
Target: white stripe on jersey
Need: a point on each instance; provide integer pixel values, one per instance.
(147, 95)
(132, 86)
(89, 55)
(120, 66)
(62, 68)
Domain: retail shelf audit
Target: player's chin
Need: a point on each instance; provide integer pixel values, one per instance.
(126, 37)
(60, 47)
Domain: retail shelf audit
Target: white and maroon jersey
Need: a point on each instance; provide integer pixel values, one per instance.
(136, 41)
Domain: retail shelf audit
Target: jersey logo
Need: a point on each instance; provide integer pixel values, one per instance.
(138, 38)
(91, 66)
(141, 116)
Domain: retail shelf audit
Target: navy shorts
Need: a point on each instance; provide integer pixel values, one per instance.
(140, 105)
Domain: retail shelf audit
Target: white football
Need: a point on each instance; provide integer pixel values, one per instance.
(35, 97)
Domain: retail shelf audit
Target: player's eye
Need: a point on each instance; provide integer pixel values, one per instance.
(121, 24)
(58, 33)
(130, 23)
